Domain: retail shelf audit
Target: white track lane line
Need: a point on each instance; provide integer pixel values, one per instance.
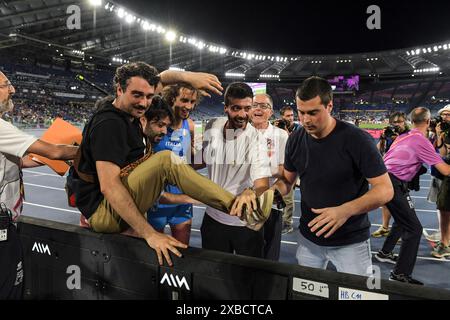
(48, 207)
(42, 173)
(41, 186)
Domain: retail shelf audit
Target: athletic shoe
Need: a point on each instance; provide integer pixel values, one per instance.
(435, 237)
(404, 278)
(381, 232)
(386, 257)
(256, 218)
(287, 229)
(441, 251)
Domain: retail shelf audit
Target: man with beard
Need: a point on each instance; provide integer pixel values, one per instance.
(119, 180)
(236, 158)
(336, 162)
(182, 98)
(398, 121)
(14, 144)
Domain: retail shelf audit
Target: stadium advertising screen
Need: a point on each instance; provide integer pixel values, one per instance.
(258, 87)
(344, 83)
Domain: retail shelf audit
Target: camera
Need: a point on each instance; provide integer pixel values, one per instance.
(391, 131)
(445, 126)
(282, 124)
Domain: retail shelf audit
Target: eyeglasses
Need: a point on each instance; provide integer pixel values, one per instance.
(6, 85)
(263, 106)
(445, 114)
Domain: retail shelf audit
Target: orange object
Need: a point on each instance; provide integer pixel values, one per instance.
(60, 132)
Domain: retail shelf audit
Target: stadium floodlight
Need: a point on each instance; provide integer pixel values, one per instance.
(234, 75)
(95, 3)
(129, 18)
(145, 25)
(445, 47)
(435, 48)
(171, 36)
(176, 68)
(417, 51)
(121, 13)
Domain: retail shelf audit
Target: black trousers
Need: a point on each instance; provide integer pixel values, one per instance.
(406, 226)
(272, 235)
(11, 269)
(231, 239)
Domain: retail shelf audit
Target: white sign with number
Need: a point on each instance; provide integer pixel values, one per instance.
(318, 289)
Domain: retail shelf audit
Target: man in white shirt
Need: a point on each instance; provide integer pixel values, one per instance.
(14, 144)
(275, 139)
(234, 155)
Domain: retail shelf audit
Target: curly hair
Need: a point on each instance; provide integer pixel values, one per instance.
(135, 69)
(170, 93)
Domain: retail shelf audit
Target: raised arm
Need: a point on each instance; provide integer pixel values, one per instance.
(202, 81)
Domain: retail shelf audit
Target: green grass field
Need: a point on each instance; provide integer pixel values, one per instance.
(371, 126)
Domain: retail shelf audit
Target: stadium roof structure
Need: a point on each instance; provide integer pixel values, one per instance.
(109, 35)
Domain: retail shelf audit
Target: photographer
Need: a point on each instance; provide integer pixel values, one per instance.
(403, 161)
(287, 120)
(287, 123)
(397, 126)
(440, 185)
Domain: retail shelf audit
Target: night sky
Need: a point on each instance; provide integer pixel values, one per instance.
(302, 27)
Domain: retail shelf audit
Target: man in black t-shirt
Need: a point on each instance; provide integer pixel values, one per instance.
(121, 191)
(336, 162)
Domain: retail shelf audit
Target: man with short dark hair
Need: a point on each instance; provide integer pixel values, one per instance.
(125, 180)
(236, 158)
(403, 161)
(287, 114)
(336, 162)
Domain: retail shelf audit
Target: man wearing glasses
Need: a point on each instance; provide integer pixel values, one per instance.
(275, 139)
(14, 145)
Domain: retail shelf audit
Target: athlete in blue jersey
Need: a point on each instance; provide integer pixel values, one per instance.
(179, 139)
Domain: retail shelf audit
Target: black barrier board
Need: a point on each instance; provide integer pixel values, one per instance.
(120, 267)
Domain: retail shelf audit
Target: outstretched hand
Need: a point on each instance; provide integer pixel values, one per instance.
(247, 198)
(328, 219)
(205, 82)
(162, 244)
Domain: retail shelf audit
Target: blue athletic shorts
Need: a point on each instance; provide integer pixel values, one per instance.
(169, 215)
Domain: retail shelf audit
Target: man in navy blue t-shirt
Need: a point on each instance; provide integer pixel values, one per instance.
(336, 162)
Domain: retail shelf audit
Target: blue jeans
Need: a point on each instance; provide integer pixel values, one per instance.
(355, 258)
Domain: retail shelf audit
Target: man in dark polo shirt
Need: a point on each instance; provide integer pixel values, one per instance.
(336, 162)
